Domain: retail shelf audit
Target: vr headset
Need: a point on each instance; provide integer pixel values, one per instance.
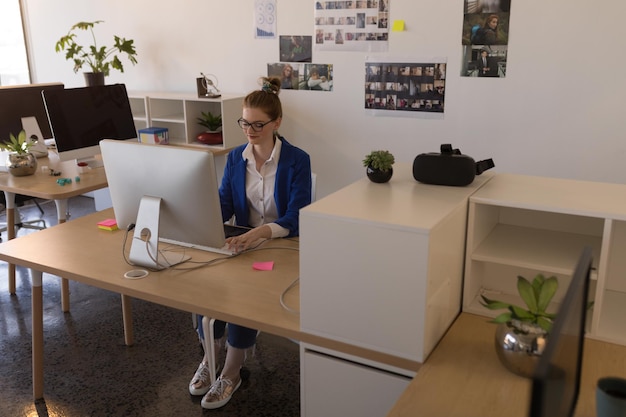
(449, 167)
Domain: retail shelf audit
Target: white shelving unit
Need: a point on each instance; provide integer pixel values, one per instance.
(178, 112)
(524, 225)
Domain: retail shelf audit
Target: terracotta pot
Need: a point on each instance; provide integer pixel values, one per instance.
(210, 138)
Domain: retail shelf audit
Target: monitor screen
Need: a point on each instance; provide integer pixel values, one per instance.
(556, 379)
(183, 179)
(19, 101)
(81, 117)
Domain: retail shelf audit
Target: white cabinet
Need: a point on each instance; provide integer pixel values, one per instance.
(178, 112)
(337, 387)
(381, 265)
(524, 225)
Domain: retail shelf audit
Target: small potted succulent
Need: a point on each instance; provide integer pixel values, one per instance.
(379, 166)
(100, 59)
(213, 123)
(20, 162)
(522, 332)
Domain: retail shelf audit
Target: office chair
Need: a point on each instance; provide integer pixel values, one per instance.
(20, 200)
(207, 322)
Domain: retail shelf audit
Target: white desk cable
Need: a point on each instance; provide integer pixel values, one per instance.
(216, 260)
(282, 297)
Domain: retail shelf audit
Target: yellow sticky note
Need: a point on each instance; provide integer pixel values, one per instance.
(398, 26)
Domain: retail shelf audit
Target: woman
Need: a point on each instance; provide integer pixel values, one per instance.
(266, 183)
(487, 35)
(288, 80)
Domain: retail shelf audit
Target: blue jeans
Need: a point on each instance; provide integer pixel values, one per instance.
(238, 336)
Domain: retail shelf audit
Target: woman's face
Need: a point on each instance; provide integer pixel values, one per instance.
(264, 135)
(493, 23)
(287, 71)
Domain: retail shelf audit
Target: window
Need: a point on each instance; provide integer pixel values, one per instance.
(13, 58)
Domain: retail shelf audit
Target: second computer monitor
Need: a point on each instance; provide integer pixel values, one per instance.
(556, 380)
(81, 117)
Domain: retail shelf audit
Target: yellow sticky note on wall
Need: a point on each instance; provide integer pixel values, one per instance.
(398, 26)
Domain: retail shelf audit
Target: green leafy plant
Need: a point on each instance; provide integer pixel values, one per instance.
(17, 144)
(210, 121)
(537, 296)
(381, 160)
(98, 58)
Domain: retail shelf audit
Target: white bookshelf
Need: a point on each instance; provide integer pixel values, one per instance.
(178, 112)
(524, 225)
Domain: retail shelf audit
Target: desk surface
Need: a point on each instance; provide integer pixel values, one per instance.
(464, 378)
(230, 290)
(43, 185)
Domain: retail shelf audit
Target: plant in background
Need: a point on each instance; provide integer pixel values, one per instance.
(380, 160)
(210, 121)
(537, 297)
(17, 144)
(99, 59)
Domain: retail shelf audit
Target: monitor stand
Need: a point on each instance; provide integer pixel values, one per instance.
(34, 136)
(144, 248)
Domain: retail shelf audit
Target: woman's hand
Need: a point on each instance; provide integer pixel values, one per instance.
(249, 239)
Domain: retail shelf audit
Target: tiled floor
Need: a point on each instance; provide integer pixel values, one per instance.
(90, 372)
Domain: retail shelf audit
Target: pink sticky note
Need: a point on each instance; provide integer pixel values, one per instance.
(263, 266)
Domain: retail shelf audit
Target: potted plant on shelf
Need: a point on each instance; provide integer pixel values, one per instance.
(20, 162)
(522, 332)
(213, 123)
(100, 59)
(379, 166)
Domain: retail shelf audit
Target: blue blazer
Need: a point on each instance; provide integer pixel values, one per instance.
(292, 189)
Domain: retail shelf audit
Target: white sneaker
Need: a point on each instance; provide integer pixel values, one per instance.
(201, 381)
(220, 393)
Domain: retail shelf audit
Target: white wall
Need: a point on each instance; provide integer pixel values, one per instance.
(559, 112)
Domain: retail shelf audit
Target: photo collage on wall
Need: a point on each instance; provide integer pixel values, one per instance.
(299, 76)
(405, 87)
(296, 72)
(361, 25)
(485, 38)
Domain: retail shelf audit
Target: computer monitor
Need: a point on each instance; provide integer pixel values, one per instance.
(81, 117)
(556, 379)
(22, 101)
(170, 192)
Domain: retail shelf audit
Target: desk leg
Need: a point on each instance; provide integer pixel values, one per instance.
(37, 329)
(65, 285)
(127, 315)
(10, 209)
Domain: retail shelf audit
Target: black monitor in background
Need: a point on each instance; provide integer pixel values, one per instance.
(17, 101)
(81, 117)
(556, 379)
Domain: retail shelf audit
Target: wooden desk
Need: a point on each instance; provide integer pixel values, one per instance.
(42, 185)
(230, 290)
(464, 378)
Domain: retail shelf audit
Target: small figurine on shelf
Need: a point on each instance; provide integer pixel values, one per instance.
(209, 86)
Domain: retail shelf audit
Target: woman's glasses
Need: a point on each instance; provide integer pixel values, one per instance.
(256, 126)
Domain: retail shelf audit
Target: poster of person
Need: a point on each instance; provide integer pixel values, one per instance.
(405, 87)
(360, 25)
(296, 48)
(300, 76)
(485, 38)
